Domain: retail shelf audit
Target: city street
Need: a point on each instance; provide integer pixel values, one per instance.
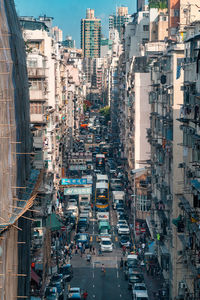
(89, 276)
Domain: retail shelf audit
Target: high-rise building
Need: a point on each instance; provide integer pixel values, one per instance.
(58, 34)
(68, 42)
(119, 20)
(91, 35)
(140, 4)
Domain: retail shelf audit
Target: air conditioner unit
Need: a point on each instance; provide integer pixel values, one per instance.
(182, 285)
(169, 197)
(181, 165)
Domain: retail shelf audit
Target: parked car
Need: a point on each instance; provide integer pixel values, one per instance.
(51, 293)
(67, 272)
(135, 278)
(74, 293)
(141, 295)
(138, 287)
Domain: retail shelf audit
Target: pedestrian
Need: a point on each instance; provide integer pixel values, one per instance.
(93, 250)
(83, 248)
(121, 263)
(76, 249)
(85, 294)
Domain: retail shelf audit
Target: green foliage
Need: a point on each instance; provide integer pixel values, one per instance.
(84, 107)
(105, 111)
(161, 4)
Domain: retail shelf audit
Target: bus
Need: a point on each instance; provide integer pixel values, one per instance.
(102, 196)
(100, 161)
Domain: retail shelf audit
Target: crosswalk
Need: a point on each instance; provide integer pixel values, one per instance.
(95, 237)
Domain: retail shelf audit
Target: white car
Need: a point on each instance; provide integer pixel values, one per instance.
(140, 295)
(123, 229)
(138, 287)
(72, 202)
(121, 222)
(106, 245)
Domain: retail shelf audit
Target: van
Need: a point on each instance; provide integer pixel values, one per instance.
(73, 210)
(83, 225)
(140, 295)
(117, 197)
(84, 201)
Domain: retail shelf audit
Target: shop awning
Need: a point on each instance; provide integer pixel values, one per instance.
(152, 247)
(150, 227)
(35, 276)
(195, 184)
(53, 222)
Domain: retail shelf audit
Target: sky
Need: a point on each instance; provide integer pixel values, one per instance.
(68, 13)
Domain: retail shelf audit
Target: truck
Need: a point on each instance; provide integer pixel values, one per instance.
(104, 229)
(117, 197)
(84, 201)
(102, 216)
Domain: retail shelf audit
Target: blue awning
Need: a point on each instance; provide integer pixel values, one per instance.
(196, 184)
(152, 247)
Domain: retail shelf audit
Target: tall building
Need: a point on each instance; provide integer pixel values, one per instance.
(140, 4)
(58, 34)
(119, 20)
(68, 42)
(91, 35)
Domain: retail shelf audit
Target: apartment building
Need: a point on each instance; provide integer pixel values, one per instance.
(19, 181)
(91, 35)
(119, 20)
(56, 88)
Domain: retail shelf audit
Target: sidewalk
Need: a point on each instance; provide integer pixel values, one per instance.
(154, 284)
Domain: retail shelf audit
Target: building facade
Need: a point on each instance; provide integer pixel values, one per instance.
(91, 35)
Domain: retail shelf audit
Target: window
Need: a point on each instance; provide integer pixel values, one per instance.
(36, 108)
(145, 27)
(176, 12)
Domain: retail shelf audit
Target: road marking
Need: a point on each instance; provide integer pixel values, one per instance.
(118, 285)
(93, 296)
(117, 274)
(120, 295)
(93, 274)
(93, 285)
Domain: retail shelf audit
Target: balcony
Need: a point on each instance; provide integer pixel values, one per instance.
(37, 95)
(37, 73)
(37, 119)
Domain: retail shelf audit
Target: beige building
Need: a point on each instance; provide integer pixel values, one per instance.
(165, 138)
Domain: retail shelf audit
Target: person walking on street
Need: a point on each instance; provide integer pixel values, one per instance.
(121, 263)
(93, 250)
(85, 294)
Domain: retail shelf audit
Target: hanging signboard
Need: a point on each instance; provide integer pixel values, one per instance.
(73, 181)
(78, 191)
(77, 167)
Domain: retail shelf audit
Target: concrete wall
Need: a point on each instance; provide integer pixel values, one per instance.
(142, 111)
